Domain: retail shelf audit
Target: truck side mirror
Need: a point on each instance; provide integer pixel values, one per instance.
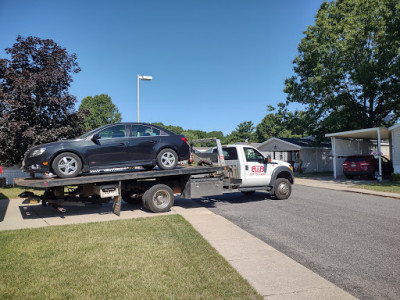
(267, 160)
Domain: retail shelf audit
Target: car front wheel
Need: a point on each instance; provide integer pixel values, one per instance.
(67, 165)
(167, 159)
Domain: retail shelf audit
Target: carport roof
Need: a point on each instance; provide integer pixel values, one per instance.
(369, 133)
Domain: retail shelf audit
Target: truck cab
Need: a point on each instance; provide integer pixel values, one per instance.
(252, 170)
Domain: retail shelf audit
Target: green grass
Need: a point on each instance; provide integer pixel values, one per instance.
(13, 192)
(150, 258)
(384, 186)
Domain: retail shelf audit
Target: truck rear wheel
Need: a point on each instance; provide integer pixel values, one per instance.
(159, 198)
(282, 188)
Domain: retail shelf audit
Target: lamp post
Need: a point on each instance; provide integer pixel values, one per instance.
(147, 78)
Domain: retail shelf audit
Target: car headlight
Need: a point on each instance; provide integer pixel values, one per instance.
(37, 152)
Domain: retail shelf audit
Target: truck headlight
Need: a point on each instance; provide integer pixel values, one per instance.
(38, 152)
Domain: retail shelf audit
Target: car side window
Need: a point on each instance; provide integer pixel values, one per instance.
(117, 131)
(143, 130)
(384, 159)
(253, 155)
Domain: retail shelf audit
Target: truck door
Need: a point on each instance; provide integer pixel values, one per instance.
(255, 169)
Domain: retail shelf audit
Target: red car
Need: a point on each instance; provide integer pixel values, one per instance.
(366, 165)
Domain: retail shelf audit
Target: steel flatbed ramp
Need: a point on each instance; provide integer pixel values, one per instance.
(41, 182)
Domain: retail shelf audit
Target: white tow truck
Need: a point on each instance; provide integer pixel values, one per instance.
(223, 168)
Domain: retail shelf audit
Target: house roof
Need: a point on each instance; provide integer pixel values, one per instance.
(394, 127)
(298, 143)
(369, 133)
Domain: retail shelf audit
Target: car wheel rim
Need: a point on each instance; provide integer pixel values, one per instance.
(168, 159)
(67, 165)
(283, 189)
(161, 199)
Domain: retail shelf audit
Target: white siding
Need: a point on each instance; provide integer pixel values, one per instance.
(396, 149)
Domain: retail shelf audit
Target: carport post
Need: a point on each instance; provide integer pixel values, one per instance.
(379, 155)
(333, 139)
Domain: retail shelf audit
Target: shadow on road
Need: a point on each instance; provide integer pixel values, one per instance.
(234, 198)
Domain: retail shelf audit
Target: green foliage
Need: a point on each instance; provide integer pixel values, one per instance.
(35, 106)
(283, 124)
(244, 132)
(347, 71)
(100, 110)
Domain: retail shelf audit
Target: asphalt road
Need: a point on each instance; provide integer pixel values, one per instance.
(350, 239)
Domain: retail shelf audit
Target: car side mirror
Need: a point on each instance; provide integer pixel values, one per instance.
(96, 137)
(267, 160)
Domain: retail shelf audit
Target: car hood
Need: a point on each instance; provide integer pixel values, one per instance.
(55, 144)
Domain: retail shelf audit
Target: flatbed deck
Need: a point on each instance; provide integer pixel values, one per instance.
(42, 182)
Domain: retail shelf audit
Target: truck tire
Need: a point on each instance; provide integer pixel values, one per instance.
(282, 188)
(167, 159)
(159, 198)
(67, 165)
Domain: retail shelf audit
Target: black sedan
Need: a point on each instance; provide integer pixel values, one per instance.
(109, 147)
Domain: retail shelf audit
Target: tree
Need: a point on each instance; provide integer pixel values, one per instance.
(283, 124)
(347, 71)
(35, 106)
(244, 132)
(100, 111)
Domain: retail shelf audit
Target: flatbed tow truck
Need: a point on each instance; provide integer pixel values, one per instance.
(222, 169)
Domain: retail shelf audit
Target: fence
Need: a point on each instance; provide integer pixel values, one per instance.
(11, 173)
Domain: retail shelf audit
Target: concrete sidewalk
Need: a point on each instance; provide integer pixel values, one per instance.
(271, 273)
(343, 185)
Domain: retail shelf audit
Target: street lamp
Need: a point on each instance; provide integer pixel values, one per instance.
(147, 78)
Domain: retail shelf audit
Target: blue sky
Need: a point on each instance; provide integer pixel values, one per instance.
(215, 63)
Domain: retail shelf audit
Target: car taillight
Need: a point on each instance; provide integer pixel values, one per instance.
(184, 139)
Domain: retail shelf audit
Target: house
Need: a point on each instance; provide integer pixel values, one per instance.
(395, 147)
(303, 153)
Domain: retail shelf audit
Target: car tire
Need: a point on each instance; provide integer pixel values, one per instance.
(67, 165)
(158, 198)
(167, 159)
(149, 167)
(248, 193)
(282, 188)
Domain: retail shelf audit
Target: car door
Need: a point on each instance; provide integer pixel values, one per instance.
(255, 169)
(110, 149)
(143, 143)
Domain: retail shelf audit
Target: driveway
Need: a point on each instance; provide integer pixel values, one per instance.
(351, 239)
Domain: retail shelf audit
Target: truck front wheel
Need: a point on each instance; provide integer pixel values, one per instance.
(282, 188)
(158, 198)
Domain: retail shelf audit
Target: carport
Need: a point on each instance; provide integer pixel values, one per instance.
(356, 142)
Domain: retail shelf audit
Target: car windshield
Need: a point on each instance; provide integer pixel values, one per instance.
(84, 136)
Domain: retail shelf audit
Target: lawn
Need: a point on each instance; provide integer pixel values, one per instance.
(392, 186)
(150, 258)
(13, 192)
